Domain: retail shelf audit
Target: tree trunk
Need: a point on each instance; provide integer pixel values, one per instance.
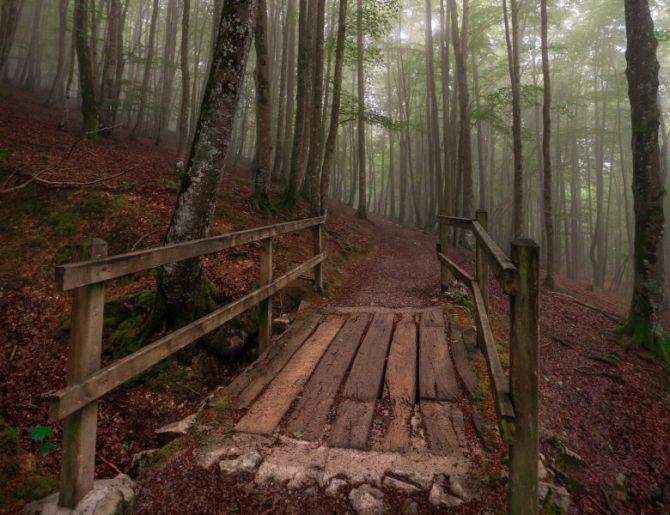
(185, 86)
(263, 151)
(361, 212)
(144, 91)
(9, 20)
(169, 68)
(108, 87)
(335, 111)
(57, 90)
(180, 284)
(549, 281)
(290, 95)
(89, 106)
(649, 293)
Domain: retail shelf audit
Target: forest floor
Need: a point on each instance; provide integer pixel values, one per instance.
(609, 405)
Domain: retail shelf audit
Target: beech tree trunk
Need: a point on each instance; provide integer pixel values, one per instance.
(180, 284)
(361, 212)
(89, 106)
(169, 51)
(649, 293)
(108, 87)
(185, 87)
(148, 64)
(9, 20)
(263, 152)
(57, 90)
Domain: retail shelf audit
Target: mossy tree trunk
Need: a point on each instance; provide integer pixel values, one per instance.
(649, 297)
(180, 285)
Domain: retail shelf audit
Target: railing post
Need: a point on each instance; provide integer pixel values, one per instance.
(318, 249)
(444, 245)
(79, 429)
(482, 216)
(265, 307)
(523, 486)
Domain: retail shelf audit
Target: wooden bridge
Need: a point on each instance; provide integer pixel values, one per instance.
(331, 375)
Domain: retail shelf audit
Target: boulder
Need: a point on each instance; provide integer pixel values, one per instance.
(336, 484)
(367, 500)
(141, 461)
(108, 497)
(175, 430)
(244, 463)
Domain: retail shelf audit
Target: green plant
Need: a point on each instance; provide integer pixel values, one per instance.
(39, 434)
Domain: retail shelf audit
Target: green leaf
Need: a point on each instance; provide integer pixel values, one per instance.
(46, 448)
(40, 433)
(297, 434)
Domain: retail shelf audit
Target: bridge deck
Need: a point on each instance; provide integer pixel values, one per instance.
(380, 380)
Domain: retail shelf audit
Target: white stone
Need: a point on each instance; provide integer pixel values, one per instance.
(541, 471)
(398, 484)
(367, 500)
(173, 431)
(336, 484)
(438, 497)
(560, 497)
(108, 497)
(245, 463)
(456, 488)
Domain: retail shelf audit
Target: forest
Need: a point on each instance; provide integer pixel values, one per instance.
(203, 140)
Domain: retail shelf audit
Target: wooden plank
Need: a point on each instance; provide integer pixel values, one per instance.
(499, 382)
(401, 384)
(456, 221)
(311, 413)
(433, 318)
(463, 363)
(460, 274)
(74, 397)
(505, 270)
(437, 380)
(365, 379)
(445, 429)
(79, 428)
(266, 413)
(74, 275)
(250, 383)
(352, 424)
(482, 259)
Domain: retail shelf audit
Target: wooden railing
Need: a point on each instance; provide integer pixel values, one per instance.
(87, 382)
(516, 398)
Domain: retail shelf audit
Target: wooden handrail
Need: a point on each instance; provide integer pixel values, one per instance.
(76, 404)
(516, 398)
(75, 275)
(76, 396)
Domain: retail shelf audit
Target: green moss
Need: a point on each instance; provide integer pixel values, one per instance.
(35, 488)
(145, 301)
(126, 338)
(648, 336)
(221, 405)
(120, 201)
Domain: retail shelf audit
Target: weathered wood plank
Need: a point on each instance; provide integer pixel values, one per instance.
(311, 412)
(266, 413)
(460, 274)
(74, 275)
(401, 384)
(365, 379)
(456, 221)
(250, 383)
(499, 382)
(463, 363)
(79, 428)
(505, 270)
(352, 425)
(265, 306)
(437, 380)
(72, 398)
(445, 429)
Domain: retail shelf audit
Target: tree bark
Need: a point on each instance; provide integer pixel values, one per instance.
(180, 284)
(649, 293)
(361, 211)
(185, 86)
(263, 151)
(9, 20)
(335, 111)
(57, 90)
(89, 106)
(144, 90)
(108, 87)
(169, 68)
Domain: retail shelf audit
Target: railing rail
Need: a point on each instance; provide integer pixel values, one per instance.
(516, 398)
(76, 404)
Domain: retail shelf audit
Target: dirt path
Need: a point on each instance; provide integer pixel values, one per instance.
(403, 271)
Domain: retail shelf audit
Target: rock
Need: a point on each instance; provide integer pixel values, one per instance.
(245, 463)
(398, 484)
(410, 507)
(542, 491)
(175, 430)
(311, 491)
(456, 488)
(281, 324)
(108, 497)
(303, 305)
(541, 471)
(621, 481)
(336, 484)
(572, 455)
(140, 462)
(560, 497)
(367, 500)
(228, 341)
(438, 496)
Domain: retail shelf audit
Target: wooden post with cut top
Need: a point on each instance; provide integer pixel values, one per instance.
(524, 364)
(79, 429)
(482, 217)
(265, 307)
(318, 269)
